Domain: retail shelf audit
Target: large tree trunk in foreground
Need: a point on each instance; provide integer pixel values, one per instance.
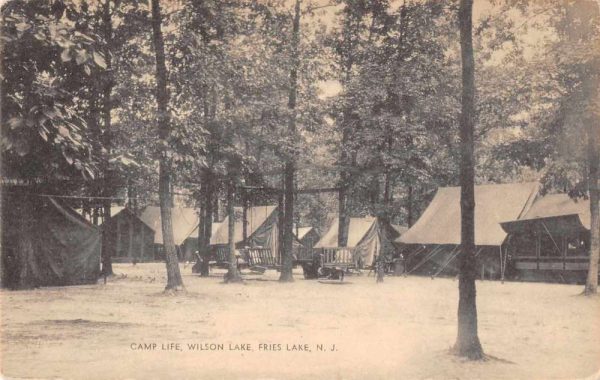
(289, 171)
(232, 275)
(467, 341)
(591, 285)
(174, 281)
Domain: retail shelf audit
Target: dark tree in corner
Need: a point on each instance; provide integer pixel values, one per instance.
(174, 281)
(467, 341)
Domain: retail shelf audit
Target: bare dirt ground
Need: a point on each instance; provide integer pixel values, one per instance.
(401, 329)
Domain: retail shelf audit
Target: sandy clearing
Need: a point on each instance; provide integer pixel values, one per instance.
(399, 329)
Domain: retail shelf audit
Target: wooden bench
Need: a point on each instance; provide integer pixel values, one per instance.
(260, 259)
(341, 257)
(337, 261)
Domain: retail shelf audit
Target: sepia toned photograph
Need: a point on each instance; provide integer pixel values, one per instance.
(300, 189)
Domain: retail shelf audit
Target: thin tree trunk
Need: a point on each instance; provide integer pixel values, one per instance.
(205, 225)
(467, 341)
(280, 219)
(289, 170)
(174, 281)
(591, 285)
(208, 210)
(409, 206)
(106, 253)
(343, 222)
(197, 267)
(232, 274)
(244, 216)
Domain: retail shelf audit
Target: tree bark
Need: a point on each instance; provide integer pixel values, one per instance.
(106, 253)
(409, 206)
(174, 281)
(467, 341)
(289, 170)
(280, 219)
(205, 225)
(25, 251)
(197, 267)
(208, 210)
(232, 274)
(591, 285)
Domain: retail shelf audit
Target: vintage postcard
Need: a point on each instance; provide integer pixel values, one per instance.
(300, 189)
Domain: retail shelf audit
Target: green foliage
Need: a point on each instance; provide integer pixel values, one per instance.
(44, 56)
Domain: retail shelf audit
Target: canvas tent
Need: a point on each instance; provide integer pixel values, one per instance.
(551, 240)
(399, 229)
(63, 247)
(368, 236)
(184, 221)
(261, 230)
(308, 236)
(433, 242)
(130, 238)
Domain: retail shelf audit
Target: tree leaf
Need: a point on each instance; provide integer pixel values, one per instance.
(63, 131)
(65, 56)
(15, 122)
(81, 56)
(99, 59)
(22, 26)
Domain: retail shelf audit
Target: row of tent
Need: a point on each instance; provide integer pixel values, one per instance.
(518, 232)
(139, 237)
(368, 236)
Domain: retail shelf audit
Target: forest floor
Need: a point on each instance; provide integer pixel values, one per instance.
(399, 329)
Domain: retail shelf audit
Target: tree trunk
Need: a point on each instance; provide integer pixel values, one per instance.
(591, 285)
(467, 341)
(106, 253)
(280, 219)
(244, 216)
(289, 170)
(197, 267)
(288, 227)
(343, 221)
(25, 251)
(409, 206)
(205, 225)
(174, 281)
(208, 210)
(232, 274)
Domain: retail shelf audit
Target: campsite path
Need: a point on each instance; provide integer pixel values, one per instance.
(398, 329)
